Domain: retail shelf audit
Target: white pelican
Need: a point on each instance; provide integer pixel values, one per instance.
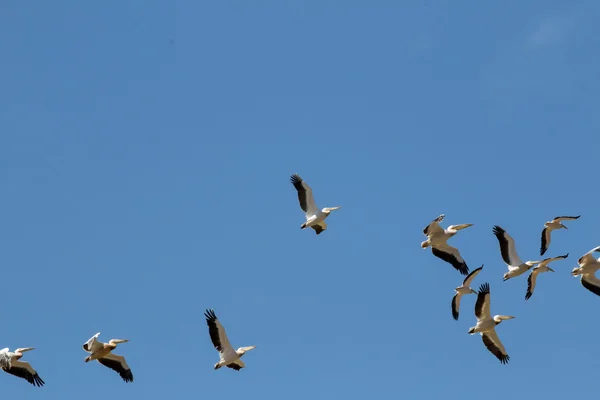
(437, 238)
(9, 361)
(508, 250)
(228, 356)
(549, 226)
(588, 266)
(102, 352)
(486, 324)
(543, 267)
(315, 218)
(464, 289)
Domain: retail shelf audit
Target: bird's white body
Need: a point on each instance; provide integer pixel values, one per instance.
(518, 270)
(315, 218)
(462, 290)
(230, 357)
(485, 325)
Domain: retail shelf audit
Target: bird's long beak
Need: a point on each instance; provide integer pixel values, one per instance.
(550, 269)
(334, 208)
(564, 226)
(24, 349)
(462, 226)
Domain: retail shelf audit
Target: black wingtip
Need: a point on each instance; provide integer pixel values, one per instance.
(453, 307)
(37, 381)
(505, 359)
(484, 288)
(476, 270)
(127, 376)
(295, 179)
(498, 230)
(210, 315)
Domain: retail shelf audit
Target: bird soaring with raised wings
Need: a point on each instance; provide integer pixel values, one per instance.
(437, 238)
(315, 218)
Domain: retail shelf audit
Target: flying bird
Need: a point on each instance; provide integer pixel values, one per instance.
(437, 238)
(462, 290)
(543, 267)
(508, 250)
(315, 218)
(9, 361)
(549, 226)
(102, 352)
(228, 356)
(588, 266)
(486, 324)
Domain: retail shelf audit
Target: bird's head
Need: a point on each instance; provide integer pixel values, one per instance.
(425, 244)
(500, 318)
(243, 350)
(506, 276)
(328, 210)
(576, 271)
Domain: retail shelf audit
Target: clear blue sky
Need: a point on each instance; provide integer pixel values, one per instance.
(146, 149)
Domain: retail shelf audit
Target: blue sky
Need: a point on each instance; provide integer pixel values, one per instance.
(146, 150)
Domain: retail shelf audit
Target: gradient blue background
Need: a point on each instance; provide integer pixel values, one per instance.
(146, 148)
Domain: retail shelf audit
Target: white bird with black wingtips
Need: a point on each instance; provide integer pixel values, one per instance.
(508, 250)
(103, 353)
(588, 266)
(228, 357)
(543, 267)
(549, 226)
(486, 324)
(315, 218)
(462, 290)
(9, 361)
(437, 238)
